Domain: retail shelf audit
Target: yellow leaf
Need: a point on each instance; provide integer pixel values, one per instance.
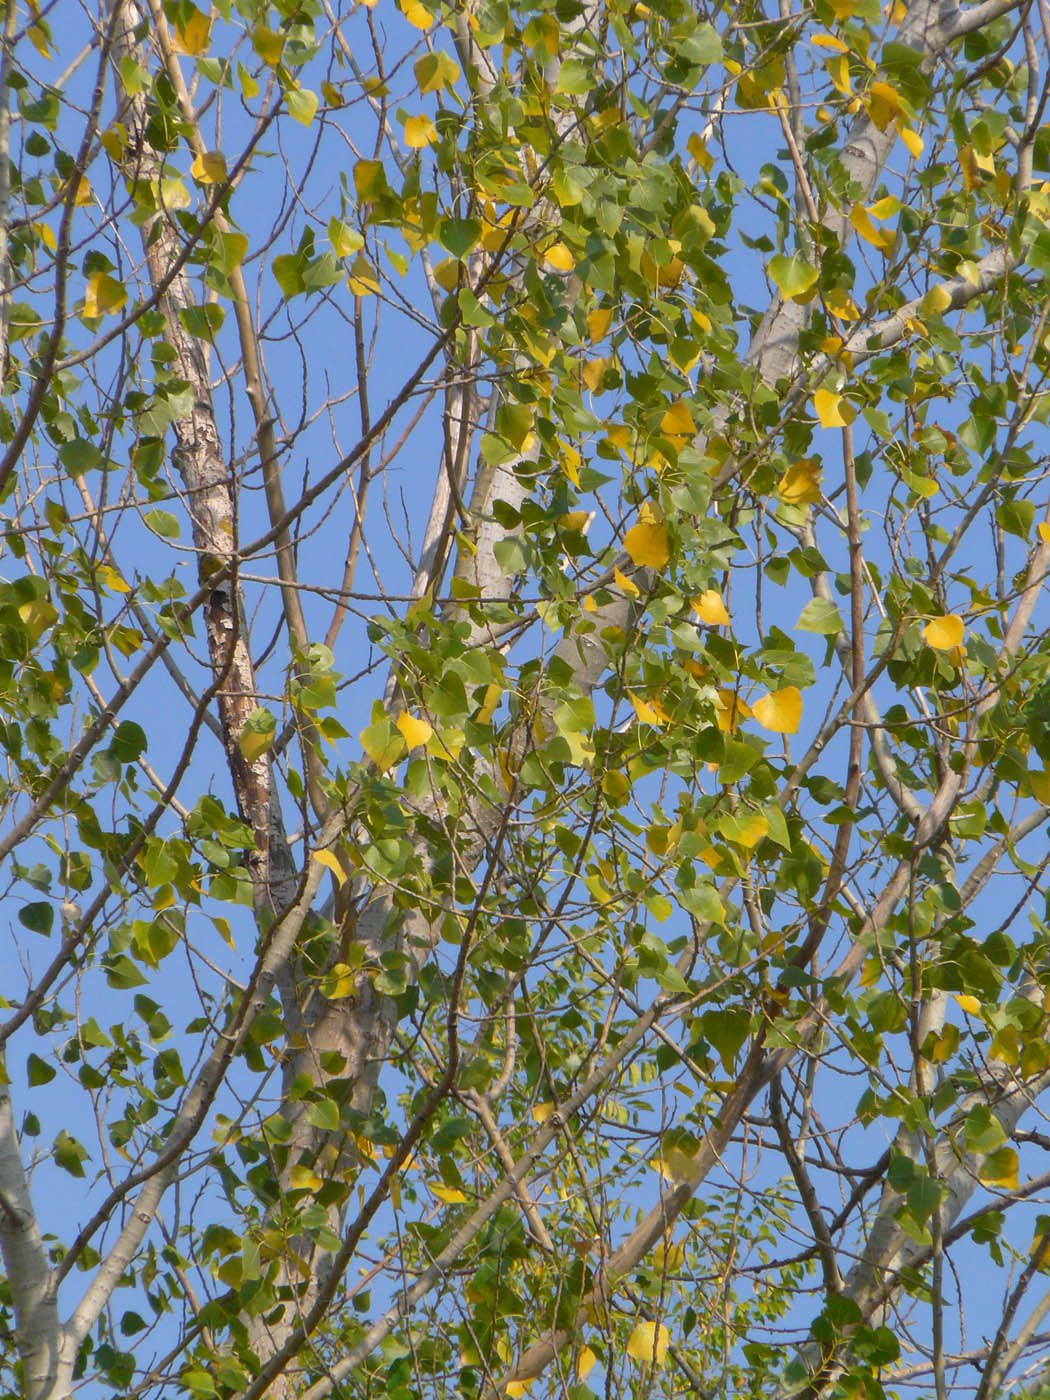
(730, 710)
(576, 519)
(304, 1178)
(829, 41)
(624, 583)
(82, 196)
(1040, 783)
(38, 37)
(413, 731)
(452, 1195)
(884, 103)
(362, 280)
(800, 484)
(881, 238)
(648, 1342)
(751, 830)
(646, 712)
(619, 434)
(936, 300)
(832, 409)
(446, 744)
(47, 236)
(594, 371)
(559, 256)
(912, 140)
(416, 13)
(969, 1004)
(112, 579)
(516, 1388)
(542, 1111)
(646, 542)
(340, 982)
(698, 150)
(944, 633)
(780, 710)
(1043, 531)
(330, 861)
(599, 321)
(419, 132)
(268, 45)
(1000, 1168)
(192, 33)
(104, 295)
(585, 1363)
(677, 423)
(710, 608)
(209, 168)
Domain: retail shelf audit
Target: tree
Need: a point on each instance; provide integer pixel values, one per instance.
(525, 697)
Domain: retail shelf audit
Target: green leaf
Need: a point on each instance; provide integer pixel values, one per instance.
(323, 1114)
(70, 1155)
(38, 917)
(39, 1071)
(793, 277)
(820, 615)
(163, 523)
(458, 236)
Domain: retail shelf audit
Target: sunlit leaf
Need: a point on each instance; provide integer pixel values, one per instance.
(192, 32)
(710, 608)
(414, 731)
(419, 132)
(330, 861)
(209, 167)
(800, 484)
(104, 295)
(648, 1342)
(452, 1195)
(832, 409)
(944, 633)
(646, 542)
(793, 276)
(780, 710)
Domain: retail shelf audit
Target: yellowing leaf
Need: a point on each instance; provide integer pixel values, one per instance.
(832, 409)
(648, 1342)
(542, 1111)
(677, 423)
(209, 168)
(383, 744)
(104, 295)
(516, 1388)
(268, 45)
(884, 103)
(1043, 531)
(730, 710)
(800, 484)
(82, 197)
(1000, 1168)
(419, 132)
(330, 861)
(363, 280)
(646, 712)
(969, 1004)
(1040, 784)
(559, 256)
(749, 831)
(594, 371)
(416, 13)
(112, 579)
(623, 582)
(585, 1363)
(710, 608)
(413, 731)
(698, 150)
(646, 542)
(912, 140)
(829, 41)
(450, 1194)
(599, 321)
(780, 710)
(192, 33)
(944, 633)
(936, 300)
(881, 238)
(344, 239)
